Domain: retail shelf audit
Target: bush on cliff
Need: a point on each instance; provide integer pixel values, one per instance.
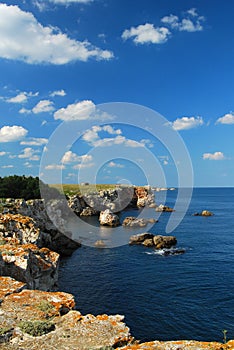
(36, 328)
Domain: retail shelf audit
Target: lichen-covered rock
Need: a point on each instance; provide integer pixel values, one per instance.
(108, 218)
(70, 330)
(9, 285)
(22, 228)
(88, 211)
(164, 208)
(180, 345)
(38, 268)
(145, 196)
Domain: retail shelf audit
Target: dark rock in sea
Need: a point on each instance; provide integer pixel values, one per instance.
(140, 238)
(204, 213)
(156, 241)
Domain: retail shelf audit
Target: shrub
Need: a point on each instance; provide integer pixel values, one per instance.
(36, 328)
(45, 306)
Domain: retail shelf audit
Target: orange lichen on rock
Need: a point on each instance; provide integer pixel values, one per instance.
(8, 286)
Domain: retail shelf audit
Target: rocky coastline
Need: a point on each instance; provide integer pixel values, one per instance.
(33, 314)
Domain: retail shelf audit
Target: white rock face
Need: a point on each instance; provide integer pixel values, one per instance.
(107, 218)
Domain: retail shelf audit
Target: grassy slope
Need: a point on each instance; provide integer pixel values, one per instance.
(76, 188)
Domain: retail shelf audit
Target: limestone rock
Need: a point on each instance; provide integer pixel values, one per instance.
(38, 268)
(88, 211)
(161, 242)
(108, 218)
(145, 196)
(164, 208)
(100, 244)
(140, 238)
(132, 221)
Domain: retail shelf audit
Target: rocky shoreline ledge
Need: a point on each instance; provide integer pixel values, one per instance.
(33, 314)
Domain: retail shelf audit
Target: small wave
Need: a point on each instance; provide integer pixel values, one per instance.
(167, 251)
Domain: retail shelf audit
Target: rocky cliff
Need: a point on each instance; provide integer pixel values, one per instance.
(37, 320)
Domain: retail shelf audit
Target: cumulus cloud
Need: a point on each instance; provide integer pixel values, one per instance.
(34, 141)
(147, 33)
(226, 119)
(29, 153)
(25, 111)
(70, 157)
(76, 111)
(214, 156)
(43, 106)
(23, 38)
(58, 93)
(20, 98)
(7, 166)
(186, 123)
(191, 23)
(12, 133)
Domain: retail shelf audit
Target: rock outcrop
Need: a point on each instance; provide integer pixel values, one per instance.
(132, 221)
(31, 312)
(204, 213)
(38, 268)
(164, 208)
(156, 241)
(47, 219)
(31, 319)
(107, 218)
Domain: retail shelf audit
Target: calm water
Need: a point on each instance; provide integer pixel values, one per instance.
(189, 296)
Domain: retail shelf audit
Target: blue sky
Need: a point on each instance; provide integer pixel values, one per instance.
(61, 59)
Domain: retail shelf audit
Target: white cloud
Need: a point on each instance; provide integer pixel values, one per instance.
(54, 167)
(191, 23)
(70, 157)
(214, 156)
(147, 33)
(43, 106)
(186, 123)
(189, 26)
(171, 20)
(7, 166)
(23, 38)
(115, 165)
(58, 93)
(226, 119)
(77, 111)
(193, 12)
(83, 166)
(34, 141)
(12, 133)
(2, 153)
(29, 153)
(25, 111)
(20, 98)
(28, 165)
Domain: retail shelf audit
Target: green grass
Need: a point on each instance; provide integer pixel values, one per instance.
(82, 189)
(4, 330)
(45, 306)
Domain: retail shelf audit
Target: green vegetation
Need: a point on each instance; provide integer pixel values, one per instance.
(26, 187)
(45, 306)
(4, 330)
(73, 189)
(36, 328)
(2, 241)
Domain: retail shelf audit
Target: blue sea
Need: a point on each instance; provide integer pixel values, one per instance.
(187, 296)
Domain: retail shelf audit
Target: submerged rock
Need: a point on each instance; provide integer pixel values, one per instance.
(108, 218)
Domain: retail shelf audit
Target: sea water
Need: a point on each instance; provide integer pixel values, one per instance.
(186, 296)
